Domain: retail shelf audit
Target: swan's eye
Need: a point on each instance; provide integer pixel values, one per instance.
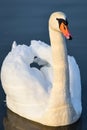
(62, 21)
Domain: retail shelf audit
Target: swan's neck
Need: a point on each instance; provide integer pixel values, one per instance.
(60, 89)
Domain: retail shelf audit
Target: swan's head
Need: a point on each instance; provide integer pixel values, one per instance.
(58, 22)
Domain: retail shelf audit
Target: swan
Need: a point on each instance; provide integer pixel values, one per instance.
(50, 95)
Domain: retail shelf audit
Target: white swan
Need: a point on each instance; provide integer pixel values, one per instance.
(51, 95)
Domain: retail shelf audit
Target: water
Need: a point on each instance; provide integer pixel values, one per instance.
(23, 20)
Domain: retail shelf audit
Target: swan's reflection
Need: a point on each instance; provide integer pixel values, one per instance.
(15, 122)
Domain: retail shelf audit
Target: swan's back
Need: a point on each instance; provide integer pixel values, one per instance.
(25, 83)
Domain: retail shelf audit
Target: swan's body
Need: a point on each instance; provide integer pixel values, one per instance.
(51, 95)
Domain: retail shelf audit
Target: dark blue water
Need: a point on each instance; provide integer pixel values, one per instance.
(24, 20)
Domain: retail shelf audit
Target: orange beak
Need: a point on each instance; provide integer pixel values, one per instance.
(65, 31)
